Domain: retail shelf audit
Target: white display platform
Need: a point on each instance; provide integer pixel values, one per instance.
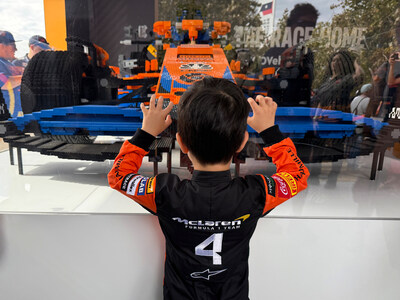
(64, 234)
(103, 257)
(336, 190)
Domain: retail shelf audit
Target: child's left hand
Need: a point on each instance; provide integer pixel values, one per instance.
(156, 119)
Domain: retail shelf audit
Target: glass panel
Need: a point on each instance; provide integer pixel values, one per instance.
(74, 73)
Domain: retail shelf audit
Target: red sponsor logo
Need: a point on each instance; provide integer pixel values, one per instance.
(290, 181)
(283, 188)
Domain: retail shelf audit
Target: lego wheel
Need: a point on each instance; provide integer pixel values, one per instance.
(52, 79)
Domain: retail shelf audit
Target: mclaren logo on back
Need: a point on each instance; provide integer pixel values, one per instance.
(243, 218)
(212, 225)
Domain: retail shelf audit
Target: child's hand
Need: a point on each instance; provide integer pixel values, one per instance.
(156, 119)
(263, 113)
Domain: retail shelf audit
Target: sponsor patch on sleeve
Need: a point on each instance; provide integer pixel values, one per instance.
(150, 186)
(126, 180)
(270, 186)
(282, 187)
(133, 183)
(287, 184)
(142, 186)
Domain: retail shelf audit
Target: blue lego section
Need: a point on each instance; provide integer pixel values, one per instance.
(165, 80)
(181, 85)
(123, 120)
(228, 74)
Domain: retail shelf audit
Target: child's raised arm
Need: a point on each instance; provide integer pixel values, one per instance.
(291, 174)
(263, 113)
(124, 175)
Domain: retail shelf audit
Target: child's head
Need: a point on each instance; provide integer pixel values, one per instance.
(212, 119)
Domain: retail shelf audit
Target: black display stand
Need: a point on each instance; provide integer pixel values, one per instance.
(91, 152)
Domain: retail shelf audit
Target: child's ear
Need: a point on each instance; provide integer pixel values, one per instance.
(184, 148)
(245, 139)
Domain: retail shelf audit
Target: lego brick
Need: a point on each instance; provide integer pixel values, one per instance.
(91, 152)
(34, 144)
(163, 144)
(44, 148)
(23, 141)
(11, 138)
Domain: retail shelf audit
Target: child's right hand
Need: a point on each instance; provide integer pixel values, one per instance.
(263, 113)
(155, 118)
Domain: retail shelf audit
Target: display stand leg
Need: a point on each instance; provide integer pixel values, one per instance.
(374, 165)
(11, 150)
(19, 156)
(381, 157)
(155, 168)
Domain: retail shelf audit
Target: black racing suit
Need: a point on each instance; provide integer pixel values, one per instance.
(208, 221)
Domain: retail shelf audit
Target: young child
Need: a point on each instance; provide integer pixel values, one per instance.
(208, 221)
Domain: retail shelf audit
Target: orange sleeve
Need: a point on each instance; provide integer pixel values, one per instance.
(290, 177)
(124, 177)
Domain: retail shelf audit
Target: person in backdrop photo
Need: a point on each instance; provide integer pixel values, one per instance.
(360, 103)
(295, 61)
(7, 54)
(342, 76)
(36, 44)
(10, 75)
(386, 90)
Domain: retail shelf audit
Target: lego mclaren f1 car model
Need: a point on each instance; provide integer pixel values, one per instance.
(74, 96)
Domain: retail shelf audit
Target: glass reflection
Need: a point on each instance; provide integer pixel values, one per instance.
(334, 72)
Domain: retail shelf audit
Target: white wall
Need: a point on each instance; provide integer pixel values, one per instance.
(120, 257)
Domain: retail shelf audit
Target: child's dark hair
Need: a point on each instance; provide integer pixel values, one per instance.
(212, 119)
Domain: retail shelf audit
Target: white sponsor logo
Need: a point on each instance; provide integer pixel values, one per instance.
(271, 60)
(195, 66)
(206, 274)
(212, 225)
(395, 113)
(207, 223)
(133, 184)
(142, 186)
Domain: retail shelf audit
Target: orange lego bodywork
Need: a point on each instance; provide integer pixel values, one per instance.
(268, 71)
(222, 28)
(115, 70)
(192, 26)
(187, 64)
(162, 28)
(139, 76)
(102, 56)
